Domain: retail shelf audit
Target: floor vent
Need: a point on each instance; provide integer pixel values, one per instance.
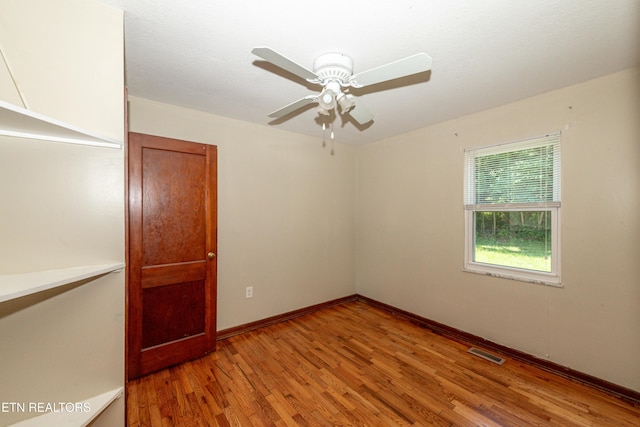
(488, 356)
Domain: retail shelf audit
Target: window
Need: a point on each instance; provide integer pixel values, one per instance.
(512, 210)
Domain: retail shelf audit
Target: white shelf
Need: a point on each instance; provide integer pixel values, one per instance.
(14, 286)
(22, 123)
(91, 408)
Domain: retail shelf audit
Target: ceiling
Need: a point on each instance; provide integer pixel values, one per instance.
(197, 54)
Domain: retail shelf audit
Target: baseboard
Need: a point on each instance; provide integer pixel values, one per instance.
(474, 340)
(236, 330)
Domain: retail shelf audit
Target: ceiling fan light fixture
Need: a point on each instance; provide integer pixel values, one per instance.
(327, 100)
(346, 102)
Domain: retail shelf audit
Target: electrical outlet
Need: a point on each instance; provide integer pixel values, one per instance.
(248, 292)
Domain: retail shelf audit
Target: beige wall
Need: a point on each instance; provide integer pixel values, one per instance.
(285, 211)
(410, 236)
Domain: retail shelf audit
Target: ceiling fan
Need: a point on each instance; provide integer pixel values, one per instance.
(334, 72)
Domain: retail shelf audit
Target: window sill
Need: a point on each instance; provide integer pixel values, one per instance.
(522, 276)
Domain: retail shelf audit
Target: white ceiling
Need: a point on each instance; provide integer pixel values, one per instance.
(197, 54)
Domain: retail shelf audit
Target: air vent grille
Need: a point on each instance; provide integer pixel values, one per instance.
(487, 356)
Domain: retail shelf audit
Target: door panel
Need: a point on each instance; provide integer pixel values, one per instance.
(173, 228)
(172, 312)
(172, 246)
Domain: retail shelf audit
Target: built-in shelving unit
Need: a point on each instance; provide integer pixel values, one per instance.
(91, 408)
(62, 80)
(14, 286)
(22, 123)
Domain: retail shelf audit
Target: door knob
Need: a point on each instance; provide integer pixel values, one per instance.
(211, 255)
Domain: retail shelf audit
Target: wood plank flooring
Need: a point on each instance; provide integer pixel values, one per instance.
(354, 364)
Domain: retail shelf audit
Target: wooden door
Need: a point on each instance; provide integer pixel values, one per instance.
(172, 252)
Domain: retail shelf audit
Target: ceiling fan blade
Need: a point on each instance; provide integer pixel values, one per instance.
(417, 63)
(310, 99)
(361, 114)
(283, 62)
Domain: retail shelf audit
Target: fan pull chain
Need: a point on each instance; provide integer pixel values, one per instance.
(324, 134)
(332, 139)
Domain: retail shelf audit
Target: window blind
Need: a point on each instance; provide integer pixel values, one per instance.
(518, 174)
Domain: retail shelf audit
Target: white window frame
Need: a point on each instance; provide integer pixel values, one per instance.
(539, 277)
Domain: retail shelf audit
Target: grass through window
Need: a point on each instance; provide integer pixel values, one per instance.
(517, 253)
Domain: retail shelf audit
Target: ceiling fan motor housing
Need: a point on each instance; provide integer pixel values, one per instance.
(333, 66)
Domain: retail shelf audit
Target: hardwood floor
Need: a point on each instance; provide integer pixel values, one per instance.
(354, 364)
